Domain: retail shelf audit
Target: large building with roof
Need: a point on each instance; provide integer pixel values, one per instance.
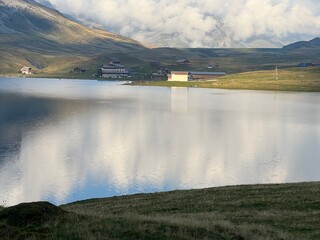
(113, 70)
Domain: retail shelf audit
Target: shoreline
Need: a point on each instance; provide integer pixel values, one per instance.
(195, 86)
(224, 187)
(289, 80)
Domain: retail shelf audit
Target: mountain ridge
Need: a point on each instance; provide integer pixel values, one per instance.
(33, 33)
(313, 43)
(39, 19)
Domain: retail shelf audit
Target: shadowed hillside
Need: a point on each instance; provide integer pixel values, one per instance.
(32, 34)
(314, 43)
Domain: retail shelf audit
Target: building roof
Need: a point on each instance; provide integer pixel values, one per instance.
(208, 73)
(308, 64)
(108, 66)
(197, 73)
(183, 60)
(114, 60)
(180, 72)
(113, 66)
(118, 65)
(158, 75)
(26, 68)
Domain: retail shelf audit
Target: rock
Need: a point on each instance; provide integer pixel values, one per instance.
(25, 214)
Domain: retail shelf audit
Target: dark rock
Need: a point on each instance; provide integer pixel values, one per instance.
(26, 214)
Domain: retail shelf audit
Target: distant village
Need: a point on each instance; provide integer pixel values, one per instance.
(114, 69)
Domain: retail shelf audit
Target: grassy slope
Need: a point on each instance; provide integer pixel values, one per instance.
(287, 211)
(46, 38)
(59, 59)
(235, 60)
(304, 79)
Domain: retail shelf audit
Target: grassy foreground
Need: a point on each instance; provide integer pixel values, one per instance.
(285, 211)
(307, 79)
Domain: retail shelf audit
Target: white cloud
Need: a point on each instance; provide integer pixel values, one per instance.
(199, 23)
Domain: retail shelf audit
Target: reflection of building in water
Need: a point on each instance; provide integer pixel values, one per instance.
(179, 99)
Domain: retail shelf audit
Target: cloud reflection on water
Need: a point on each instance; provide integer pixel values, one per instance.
(152, 140)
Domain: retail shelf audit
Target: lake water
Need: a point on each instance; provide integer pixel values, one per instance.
(67, 140)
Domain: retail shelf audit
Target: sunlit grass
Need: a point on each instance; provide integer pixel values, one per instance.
(285, 80)
(253, 212)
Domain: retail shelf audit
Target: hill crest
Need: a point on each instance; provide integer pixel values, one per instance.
(314, 43)
(31, 18)
(31, 33)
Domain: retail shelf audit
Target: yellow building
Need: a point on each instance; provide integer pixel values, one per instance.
(179, 76)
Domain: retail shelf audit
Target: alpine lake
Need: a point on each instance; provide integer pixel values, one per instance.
(68, 140)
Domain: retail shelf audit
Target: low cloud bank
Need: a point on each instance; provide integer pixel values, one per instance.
(200, 23)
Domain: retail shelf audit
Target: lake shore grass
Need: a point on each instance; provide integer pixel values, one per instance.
(275, 211)
(302, 79)
(290, 79)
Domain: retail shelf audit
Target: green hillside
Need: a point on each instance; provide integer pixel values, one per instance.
(36, 36)
(285, 211)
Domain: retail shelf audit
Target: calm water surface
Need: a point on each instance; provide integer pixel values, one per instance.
(67, 140)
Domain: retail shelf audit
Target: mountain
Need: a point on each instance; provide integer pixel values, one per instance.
(314, 43)
(219, 38)
(46, 3)
(31, 33)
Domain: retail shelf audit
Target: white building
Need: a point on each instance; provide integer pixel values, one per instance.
(179, 76)
(26, 70)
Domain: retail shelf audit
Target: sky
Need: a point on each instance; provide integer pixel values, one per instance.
(201, 23)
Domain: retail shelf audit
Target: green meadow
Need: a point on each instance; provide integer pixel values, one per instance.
(291, 79)
(277, 211)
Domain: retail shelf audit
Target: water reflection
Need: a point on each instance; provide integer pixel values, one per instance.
(119, 140)
(179, 99)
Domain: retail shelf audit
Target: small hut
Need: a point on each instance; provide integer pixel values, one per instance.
(26, 70)
(79, 70)
(183, 61)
